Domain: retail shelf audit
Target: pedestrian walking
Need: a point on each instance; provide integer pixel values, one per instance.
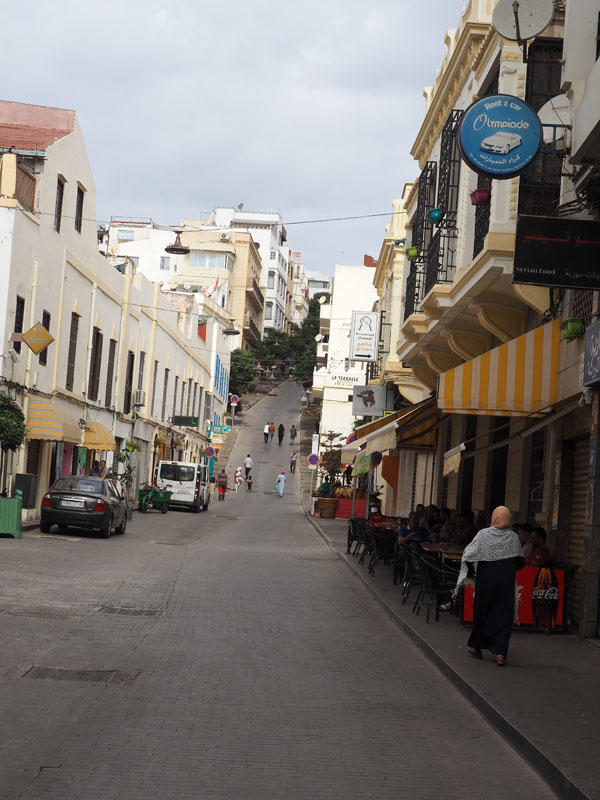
(496, 555)
(293, 459)
(271, 431)
(249, 482)
(280, 433)
(280, 484)
(266, 432)
(293, 434)
(222, 482)
(248, 464)
(237, 478)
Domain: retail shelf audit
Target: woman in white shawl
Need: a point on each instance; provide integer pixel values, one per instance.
(280, 484)
(496, 555)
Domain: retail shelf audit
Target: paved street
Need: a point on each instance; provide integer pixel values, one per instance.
(253, 664)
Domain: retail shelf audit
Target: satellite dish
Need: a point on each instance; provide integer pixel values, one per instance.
(556, 112)
(533, 16)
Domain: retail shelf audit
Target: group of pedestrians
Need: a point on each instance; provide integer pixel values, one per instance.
(223, 478)
(269, 433)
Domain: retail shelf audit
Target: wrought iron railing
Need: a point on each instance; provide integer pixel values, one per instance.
(252, 286)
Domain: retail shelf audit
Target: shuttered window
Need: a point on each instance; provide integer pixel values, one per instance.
(72, 351)
(19, 317)
(43, 356)
(163, 409)
(60, 192)
(128, 382)
(79, 209)
(95, 364)
(154, 376)
(110, 372)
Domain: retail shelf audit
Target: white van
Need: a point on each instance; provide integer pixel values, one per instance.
(188, 483)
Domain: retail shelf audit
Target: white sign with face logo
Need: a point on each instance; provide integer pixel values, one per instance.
(364, 336)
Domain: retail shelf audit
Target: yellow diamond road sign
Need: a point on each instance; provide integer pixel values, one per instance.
(37, 338)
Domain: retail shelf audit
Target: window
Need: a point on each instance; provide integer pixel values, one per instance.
(273, 255)
(163, 410)
(201, 259)
(142, 364)
(271, 280)
(199, 401)
(79, 209)
(43, 356)
(182, 402)
(135, 261)
(128, 382)
(189, 397)
(193, 410)
(72, 351)
(175, 394)
(110, 372)
(125, 235)
(154, 375)
(269, 311)
(19, 317)
(165, 262)
(60, 193)
(95, 362)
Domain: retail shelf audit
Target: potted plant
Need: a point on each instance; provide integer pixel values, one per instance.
(12, 436)
(126, 475)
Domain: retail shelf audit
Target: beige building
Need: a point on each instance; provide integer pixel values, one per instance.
(229, 260)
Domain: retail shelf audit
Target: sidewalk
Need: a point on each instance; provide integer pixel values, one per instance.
(546, 702)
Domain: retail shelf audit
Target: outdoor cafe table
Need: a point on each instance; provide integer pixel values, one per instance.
(447, 550)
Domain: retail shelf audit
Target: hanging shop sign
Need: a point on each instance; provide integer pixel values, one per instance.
(368, 401)
(37, 338)
(499, 135)
(551, 251)
(591, 356)
(364, 336)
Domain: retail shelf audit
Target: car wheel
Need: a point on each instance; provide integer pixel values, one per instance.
(45, 527)
(62, 528)
(120, 529)
(194, 509)
(164, 508)
(105, 532)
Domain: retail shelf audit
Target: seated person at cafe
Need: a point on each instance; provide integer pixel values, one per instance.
(524, 533)
(416, 532)
(467, 528)
(540, 555)
(449, 528)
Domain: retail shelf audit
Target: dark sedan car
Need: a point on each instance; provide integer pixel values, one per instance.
(84, 502)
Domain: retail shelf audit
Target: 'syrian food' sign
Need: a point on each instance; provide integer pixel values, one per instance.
(499, 135)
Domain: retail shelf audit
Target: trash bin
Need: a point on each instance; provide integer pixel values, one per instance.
(10, 515)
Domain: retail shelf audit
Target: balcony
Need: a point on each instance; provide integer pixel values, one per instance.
(250, 329)
(253, 291)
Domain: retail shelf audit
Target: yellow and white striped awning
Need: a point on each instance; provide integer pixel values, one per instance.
(518, 378)
(43, 422)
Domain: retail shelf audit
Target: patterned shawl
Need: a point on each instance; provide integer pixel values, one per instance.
(490, 544)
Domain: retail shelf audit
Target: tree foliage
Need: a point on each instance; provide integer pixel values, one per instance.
(242, 371)
(12, 424)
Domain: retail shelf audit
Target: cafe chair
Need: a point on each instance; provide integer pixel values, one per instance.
(354, 535)
(382, 547)
(437, 586)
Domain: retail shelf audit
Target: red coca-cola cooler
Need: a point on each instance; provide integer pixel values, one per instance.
(542, 597)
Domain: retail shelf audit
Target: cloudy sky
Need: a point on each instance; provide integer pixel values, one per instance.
(309, 109)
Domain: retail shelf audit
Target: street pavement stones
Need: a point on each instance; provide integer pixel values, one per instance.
(271, 672)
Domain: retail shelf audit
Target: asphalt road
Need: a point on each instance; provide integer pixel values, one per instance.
(226, 655)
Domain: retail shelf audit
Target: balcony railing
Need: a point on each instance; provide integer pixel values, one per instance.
(253, 289)
(414, 290)
(251, 328)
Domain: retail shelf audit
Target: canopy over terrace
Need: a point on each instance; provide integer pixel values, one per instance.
(518, 378)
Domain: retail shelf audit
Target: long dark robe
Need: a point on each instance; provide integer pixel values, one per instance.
(494, 608)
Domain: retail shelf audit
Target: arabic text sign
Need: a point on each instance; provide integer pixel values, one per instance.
(550, 251)
(499, 135)
(364, 336)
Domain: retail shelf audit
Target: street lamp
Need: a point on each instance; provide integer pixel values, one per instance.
(177, 249)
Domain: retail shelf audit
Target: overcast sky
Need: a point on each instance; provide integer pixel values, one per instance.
(310, 108)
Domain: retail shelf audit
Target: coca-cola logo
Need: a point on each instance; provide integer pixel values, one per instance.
(551, 593)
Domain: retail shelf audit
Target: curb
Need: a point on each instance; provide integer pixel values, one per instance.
(557, 780)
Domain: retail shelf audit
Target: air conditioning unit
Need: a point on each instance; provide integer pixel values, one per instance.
(139, 398)
(225, 236)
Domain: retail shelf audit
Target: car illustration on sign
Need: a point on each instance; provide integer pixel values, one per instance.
(501, 142)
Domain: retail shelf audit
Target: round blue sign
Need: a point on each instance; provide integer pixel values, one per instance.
(313, 459)
(499, 135)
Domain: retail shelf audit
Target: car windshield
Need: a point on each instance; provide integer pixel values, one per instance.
(76, 483)
(177, 472)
